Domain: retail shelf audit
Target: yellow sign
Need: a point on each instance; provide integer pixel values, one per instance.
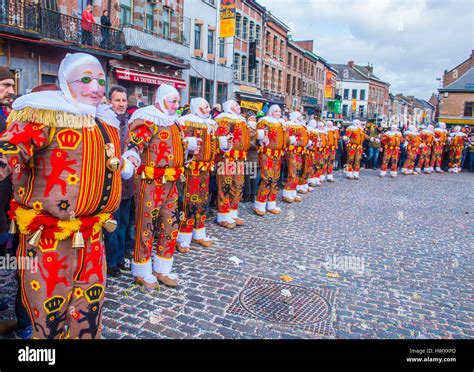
(227, 19)
(354, 105)
(254, 106)
(328, 85)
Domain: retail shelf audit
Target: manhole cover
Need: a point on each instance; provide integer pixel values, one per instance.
(300, 307)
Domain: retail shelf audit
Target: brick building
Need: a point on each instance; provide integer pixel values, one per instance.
(294, 76)
(274, 60)
(157, 38)
(35, 37)
(249, 26)
(203, 51)
(456, 105)
(314, 70)
(378, 96)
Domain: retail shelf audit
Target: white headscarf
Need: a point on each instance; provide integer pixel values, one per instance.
(228, 113)
(194, 106)
(196, 115)
(228, 106)
(62, 100)
(158, 116)
(164, 91)
(269, 116)
(313, 124)
(296, 117)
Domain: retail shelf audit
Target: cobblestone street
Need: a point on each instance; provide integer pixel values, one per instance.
(375, 258)
(396, 254)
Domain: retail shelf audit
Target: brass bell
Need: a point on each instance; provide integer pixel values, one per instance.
(78, 240)
(13, 229)
(35, 238)
(110, 225)
(113, 164)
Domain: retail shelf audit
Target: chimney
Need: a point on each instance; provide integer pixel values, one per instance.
(370, 68)
(472, 58)
(350, 63)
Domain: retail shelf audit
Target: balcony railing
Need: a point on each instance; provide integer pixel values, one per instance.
(21, 17)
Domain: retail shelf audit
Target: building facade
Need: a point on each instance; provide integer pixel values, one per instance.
(353, 88)
(36, 36)
(456, 104)
(294, 76)
(204, 52)
(246, 83)
(274, 60)
(378, 95)
(157, 47)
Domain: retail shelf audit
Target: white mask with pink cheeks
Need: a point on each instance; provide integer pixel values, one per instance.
(204, 109)
(171, 103)
(275, 112)
(87, 84)
(167, 99)
(236, 109)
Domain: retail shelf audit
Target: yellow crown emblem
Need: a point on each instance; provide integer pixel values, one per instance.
(69, 139)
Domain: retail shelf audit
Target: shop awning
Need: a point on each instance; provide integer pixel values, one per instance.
(249, 105)
(147, 78)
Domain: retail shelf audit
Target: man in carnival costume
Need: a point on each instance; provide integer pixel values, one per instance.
(307, 157)
(272, 139)
(197, 124)
(332, 143)
(234, 141)
(62, 149)
(390, 143)
(157, 138)
(412, 142)
(427, 141)
(298, 140)
(440, 139)
(355, 138)
(457, 138)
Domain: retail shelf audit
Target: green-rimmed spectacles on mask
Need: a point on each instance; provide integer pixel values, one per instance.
(88, 79)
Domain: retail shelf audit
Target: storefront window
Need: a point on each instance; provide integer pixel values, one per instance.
(209, 94)
(221, 93)
(195, 87)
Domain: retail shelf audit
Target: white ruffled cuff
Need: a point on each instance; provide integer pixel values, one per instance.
(223, 143)
(133, 154)
(192, 143)
(127, 171)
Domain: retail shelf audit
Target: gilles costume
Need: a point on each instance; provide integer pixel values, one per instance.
(440, 138)
(355, 138)
(307, 155)
(456, 145)
(197, 173)
(390, 142)
(230, 170)
(332, 143)
(313, 133)
(64, 158)
(427, 140)
(157, 138)
(412, 142)
(298, 140)
(272, 139)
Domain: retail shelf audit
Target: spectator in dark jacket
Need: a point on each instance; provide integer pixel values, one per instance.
(105, 30)
(115, 241)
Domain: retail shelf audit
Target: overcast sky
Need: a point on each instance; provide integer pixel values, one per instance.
(409, 42)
